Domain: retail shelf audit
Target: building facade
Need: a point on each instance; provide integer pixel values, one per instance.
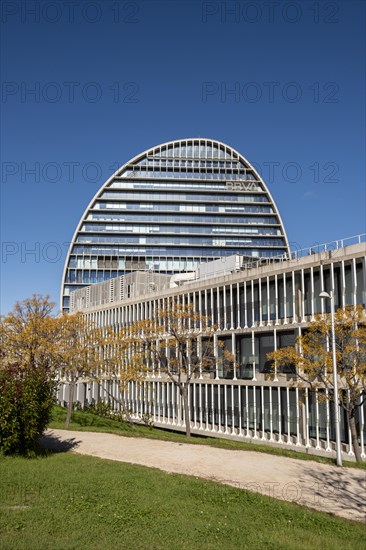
(257, 306)
(171, 208)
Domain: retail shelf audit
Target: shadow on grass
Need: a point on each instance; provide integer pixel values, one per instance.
(50, 443)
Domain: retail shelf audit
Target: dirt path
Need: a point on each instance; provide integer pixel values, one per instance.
(340, 491)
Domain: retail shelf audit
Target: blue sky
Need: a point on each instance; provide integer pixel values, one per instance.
(281, 82)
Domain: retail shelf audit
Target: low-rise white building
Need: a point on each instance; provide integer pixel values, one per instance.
(256, 307)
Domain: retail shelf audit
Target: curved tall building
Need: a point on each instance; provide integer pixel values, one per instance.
(170, 208)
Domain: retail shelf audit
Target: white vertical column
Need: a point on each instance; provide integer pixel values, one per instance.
(247, 411)
(199, 353)
(129, 397)
(189, 409)
(284, 300)
(317, 419)
(231, 308)
(354, 282)
(276, 299)
(200, 404)
(206, 304)
(206, 407)
(144, 399)
(288, 414)
(233, 348)
(322, 289)
(303, 319)
(298, 435)
(174, 404)
(245, 306)
(200, 308)
(219, 407)
(269, 321)
(253, 353)
(194, 304)
(260, 301)
(232, 410)
(328, 421)
(238, 304)
(294, 316)
(168, 403)
(147, 396)
(225, 409)
(193, 386)
(212, 409)
(163, 391)
(262, 413)
(275, 378)
(255, 413)
(141, 398)
(78, 391)
(95, 392)
(270, 414)
(179, 407)
(155, 399)
(131, 387)
(239, 410)
(225, 304)
(280, 440)
(332, 285)
(137, 400)
(307, 427)
(218, 308)
(343, 277)
(253, 309)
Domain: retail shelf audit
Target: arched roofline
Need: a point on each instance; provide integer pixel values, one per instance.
(139, 157)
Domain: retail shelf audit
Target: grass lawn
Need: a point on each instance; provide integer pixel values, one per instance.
(64, 501)
(86, 421)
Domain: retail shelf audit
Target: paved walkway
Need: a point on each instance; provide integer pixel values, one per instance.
(340, 491)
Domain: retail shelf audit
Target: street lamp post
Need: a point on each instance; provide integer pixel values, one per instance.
(330, 296)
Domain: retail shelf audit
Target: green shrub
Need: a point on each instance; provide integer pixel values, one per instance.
(105, 410)
(27, 396)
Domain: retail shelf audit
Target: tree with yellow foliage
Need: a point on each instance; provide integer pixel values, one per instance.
(81, 354)
(179, 343)
(95, 354)
(312, 357)
(30, 335)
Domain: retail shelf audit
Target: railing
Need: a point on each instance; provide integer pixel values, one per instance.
(333, 245)
(309, 251)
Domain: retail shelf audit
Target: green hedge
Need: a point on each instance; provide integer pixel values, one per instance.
(27, 396)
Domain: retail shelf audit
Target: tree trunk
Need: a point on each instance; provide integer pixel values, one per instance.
(126, 416)
(187, 418)
(355, 445)
(70, 403)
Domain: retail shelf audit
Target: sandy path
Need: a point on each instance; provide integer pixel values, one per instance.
(340, 491)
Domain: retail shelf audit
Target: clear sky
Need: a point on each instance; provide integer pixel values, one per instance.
(87, 85)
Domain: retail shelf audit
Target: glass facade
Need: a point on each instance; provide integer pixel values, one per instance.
(171, 208)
